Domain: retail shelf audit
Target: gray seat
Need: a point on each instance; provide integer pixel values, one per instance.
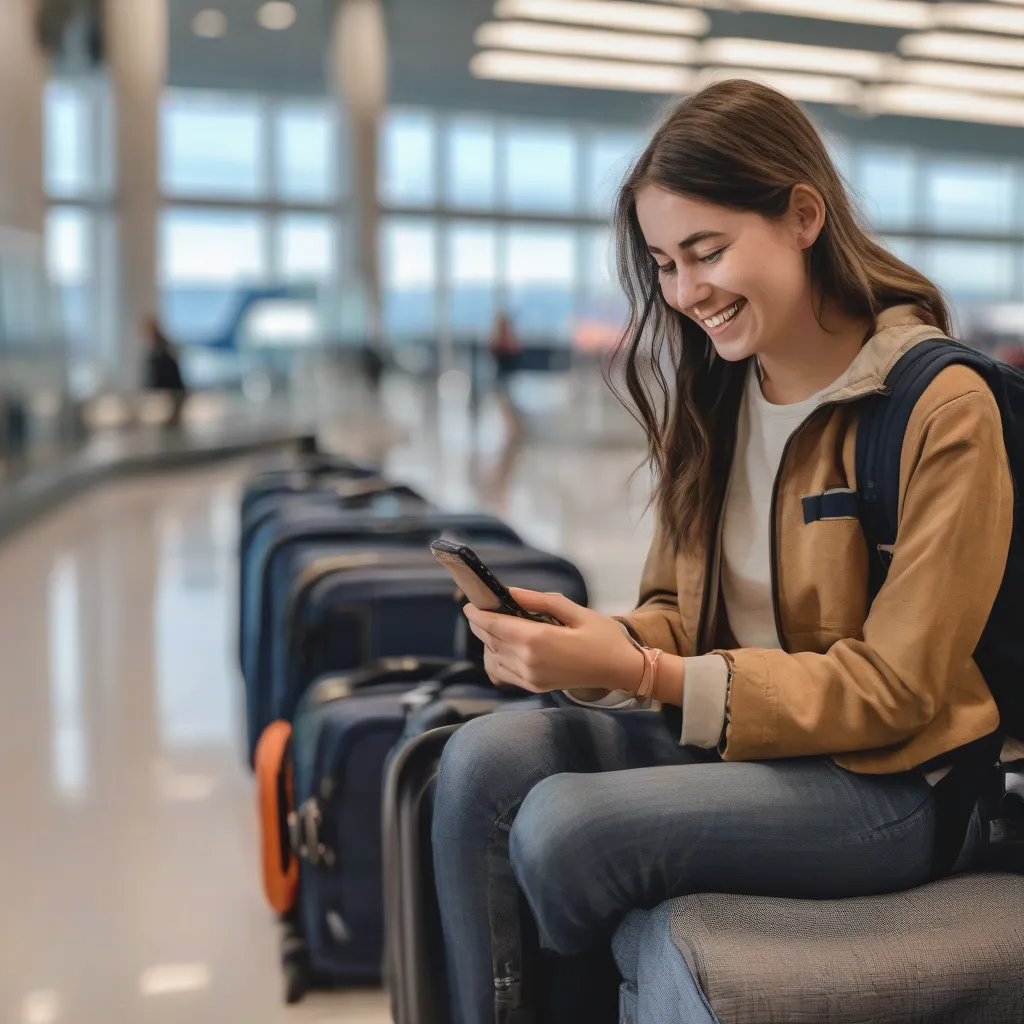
(951, 952)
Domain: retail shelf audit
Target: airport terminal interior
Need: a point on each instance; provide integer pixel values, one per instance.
(323, 210)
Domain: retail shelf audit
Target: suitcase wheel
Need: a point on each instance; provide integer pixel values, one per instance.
(298, 973)
(296, 982)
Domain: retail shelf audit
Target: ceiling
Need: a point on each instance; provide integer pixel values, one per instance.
(431, 45)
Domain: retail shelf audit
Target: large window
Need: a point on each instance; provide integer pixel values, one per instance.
(607, 161)
(70, 140)
(472, 257)
(69, 263)
(407, 169)
(540, 169)
(971, 271)
(969, 196)
(306, 153)
(213, 145)
(307, 247)
(409, 276)
(541, 276)
(885, 180)
(207, 257)
(470, 163)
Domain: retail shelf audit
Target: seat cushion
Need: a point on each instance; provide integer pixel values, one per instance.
(952, 950)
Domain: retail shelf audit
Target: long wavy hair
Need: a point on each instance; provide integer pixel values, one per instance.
(742, 145)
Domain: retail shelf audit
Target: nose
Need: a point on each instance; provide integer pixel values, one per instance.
(691, 290)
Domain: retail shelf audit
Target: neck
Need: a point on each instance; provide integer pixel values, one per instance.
(812, 357)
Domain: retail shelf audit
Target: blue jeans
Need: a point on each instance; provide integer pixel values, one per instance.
(593, 813)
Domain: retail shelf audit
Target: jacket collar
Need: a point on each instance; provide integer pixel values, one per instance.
(898, 329)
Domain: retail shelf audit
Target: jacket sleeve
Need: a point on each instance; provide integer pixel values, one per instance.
(656, 621)
(924, 624)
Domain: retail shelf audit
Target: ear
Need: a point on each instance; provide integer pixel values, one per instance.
(806, 215)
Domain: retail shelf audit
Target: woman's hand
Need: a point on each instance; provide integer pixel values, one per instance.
(589, 652)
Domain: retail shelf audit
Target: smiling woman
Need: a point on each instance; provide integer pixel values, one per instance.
(735, 237)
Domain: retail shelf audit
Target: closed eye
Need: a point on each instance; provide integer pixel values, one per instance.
(666, 268)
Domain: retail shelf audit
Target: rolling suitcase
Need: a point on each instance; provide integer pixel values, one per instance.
(298, 474)
(417, 973)
(317, 515)
(379, 620)
(349, 606)
(343, 732)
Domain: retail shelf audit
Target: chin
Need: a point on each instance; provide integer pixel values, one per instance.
(733, 351)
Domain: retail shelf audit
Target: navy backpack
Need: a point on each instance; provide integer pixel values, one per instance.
(880, 433)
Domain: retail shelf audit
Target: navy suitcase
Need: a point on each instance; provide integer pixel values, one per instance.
(363, 633)
(351, 605)
(318, 515)
(346, 491)
(298, 474)
(343, 732)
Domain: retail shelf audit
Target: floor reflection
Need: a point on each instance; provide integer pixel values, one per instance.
(130, 883)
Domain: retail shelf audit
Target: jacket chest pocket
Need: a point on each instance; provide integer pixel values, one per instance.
(823, 570)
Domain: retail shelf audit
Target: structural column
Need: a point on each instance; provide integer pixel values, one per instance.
(136, 38)
(359, 63)
(22, 77)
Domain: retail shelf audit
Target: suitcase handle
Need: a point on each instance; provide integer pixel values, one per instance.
(388, 670)
(355, 491)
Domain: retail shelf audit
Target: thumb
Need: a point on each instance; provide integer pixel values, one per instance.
(557, 605)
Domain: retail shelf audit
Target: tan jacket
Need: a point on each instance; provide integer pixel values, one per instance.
(885, 688)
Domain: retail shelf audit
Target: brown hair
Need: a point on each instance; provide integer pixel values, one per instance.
(742, 145)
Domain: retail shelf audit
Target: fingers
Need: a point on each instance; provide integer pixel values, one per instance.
(550, 604)
(507, 628)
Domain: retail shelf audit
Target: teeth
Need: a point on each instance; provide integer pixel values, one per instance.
(721, 318)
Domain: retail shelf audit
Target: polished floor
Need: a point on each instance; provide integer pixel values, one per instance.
(129, 889)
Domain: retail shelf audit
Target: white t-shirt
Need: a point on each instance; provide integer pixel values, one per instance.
(762, 432)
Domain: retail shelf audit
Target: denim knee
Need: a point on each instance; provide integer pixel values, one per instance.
(479, 776)
(551, 845)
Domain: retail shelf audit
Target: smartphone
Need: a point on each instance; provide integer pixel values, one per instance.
(479, 584)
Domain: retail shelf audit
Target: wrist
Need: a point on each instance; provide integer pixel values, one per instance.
(670, 680)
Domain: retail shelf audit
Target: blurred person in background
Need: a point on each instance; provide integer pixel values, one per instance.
(163, 373)
(505, 350)
(813, 742)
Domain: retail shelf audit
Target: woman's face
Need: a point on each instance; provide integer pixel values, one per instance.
(742, 277)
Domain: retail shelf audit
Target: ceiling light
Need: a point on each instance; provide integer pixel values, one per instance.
(827, 60)
(949, 104)
(890, 13)
(981, 18)
(521, 35)
(624, 14)
(276, 15)
(210, 24)
(961, 76)
(954, 46)
(804, 88)
(577, 71)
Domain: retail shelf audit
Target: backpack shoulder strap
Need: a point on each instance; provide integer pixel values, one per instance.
(880, 433)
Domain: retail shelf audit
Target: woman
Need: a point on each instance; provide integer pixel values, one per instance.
(814, 729)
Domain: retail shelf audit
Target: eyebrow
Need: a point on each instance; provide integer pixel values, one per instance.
(689, 242)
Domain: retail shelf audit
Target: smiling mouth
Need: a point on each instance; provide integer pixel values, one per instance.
(725, 315)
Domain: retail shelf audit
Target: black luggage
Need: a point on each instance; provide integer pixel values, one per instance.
(343, 732)
(333, 608)
(299, 474)
(380, 609)
(416, 971)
